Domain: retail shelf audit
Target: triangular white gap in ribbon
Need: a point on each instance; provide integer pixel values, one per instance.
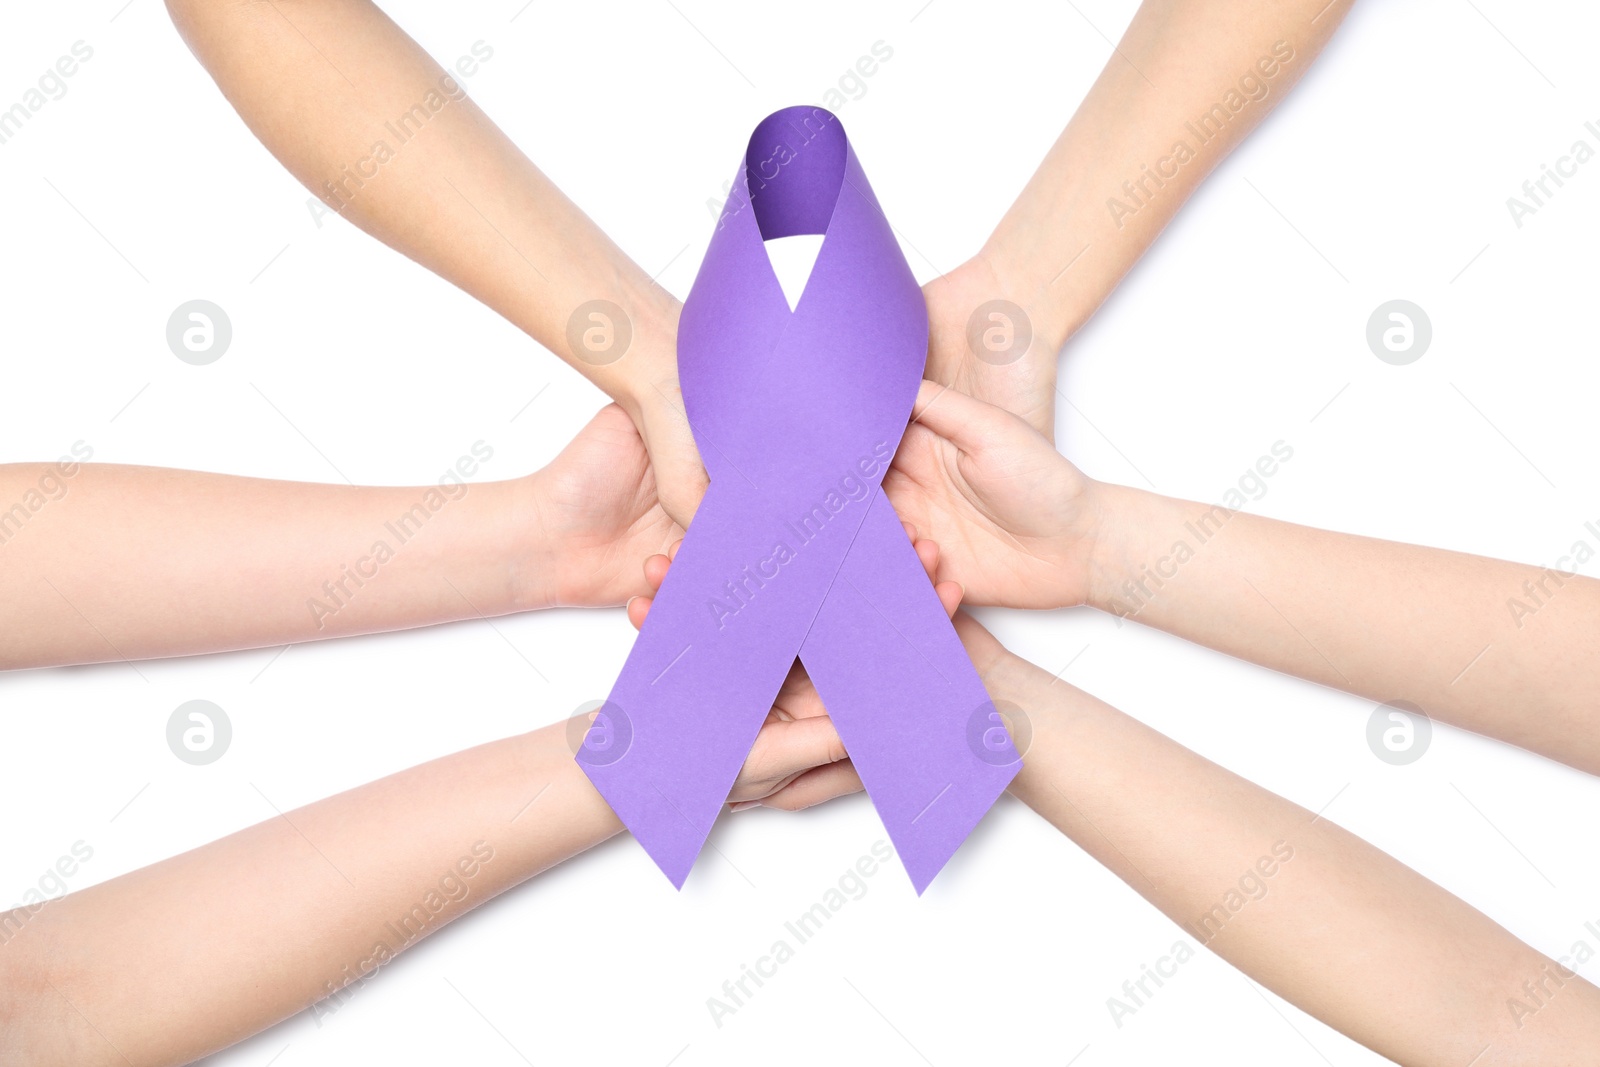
(792, 259)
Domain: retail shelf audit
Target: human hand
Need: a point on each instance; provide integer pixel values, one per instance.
(653, 398)
(797, 760)
(1017, 370)
(1017, 523)
(1025, 385)
(595, 512)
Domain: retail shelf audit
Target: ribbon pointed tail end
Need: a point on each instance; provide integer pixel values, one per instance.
(667, 835)
(927, 843)
(674, 860)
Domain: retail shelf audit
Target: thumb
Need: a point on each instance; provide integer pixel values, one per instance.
(787, 748)
(811, 787)
(968, 423)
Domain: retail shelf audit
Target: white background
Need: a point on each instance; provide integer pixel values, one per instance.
(1384, 175)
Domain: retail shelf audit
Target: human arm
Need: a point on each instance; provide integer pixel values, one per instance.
(1300, 905)
(120, 562)
(177, 960)
(1304, 907)
(247, 930)
(1192, 73)
(1504, 649)
(325, 83)
(1501, 648)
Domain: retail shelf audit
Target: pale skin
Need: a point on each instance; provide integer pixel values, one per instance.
(289, 906)
(321, 81)
(280, 921)
(1325, 920)
(1020, 525)
(1182, 57)
(461, 199)
(1340, 929)
(125, 562)
(1061, 249)
(465, 202)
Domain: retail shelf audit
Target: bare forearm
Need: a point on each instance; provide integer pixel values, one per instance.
(377, 130)
(135, 562)
(1501, 648)
(1298, 904)
(1188, 81)
(187, 956)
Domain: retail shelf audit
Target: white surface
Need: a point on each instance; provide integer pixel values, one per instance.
(1393, 160)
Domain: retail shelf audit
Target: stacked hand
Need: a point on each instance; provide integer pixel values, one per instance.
(1016, 523)
(596, 512)
(995, 514)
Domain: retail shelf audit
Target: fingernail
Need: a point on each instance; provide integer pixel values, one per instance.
(629, 605)
(744, 805)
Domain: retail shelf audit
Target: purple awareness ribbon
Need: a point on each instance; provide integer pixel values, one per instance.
(795, 550)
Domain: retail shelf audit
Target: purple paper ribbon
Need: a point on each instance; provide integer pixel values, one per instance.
(795, 550)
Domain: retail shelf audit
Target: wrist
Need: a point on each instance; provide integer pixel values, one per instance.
(1006, 676)
(1035, 708)
(573, 816)
(1132, 522)
(534, 556)
(1038, 273)
(638, 378)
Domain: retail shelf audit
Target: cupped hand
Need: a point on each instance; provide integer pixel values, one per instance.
(1026, 384)
(681, 480)
(797, 760)
(1017, 370)
(1020, 377)
(1017, 524)
(597, 511)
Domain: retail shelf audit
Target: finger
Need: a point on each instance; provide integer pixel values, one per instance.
(981, 645)
(655, 571)
(797, 697)
(957, 417)
(801, 701)
(782, 749)
(928, 554)
(814, 787)
(638, 608)
(950, 595)
(672, 553)
(911, 531)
